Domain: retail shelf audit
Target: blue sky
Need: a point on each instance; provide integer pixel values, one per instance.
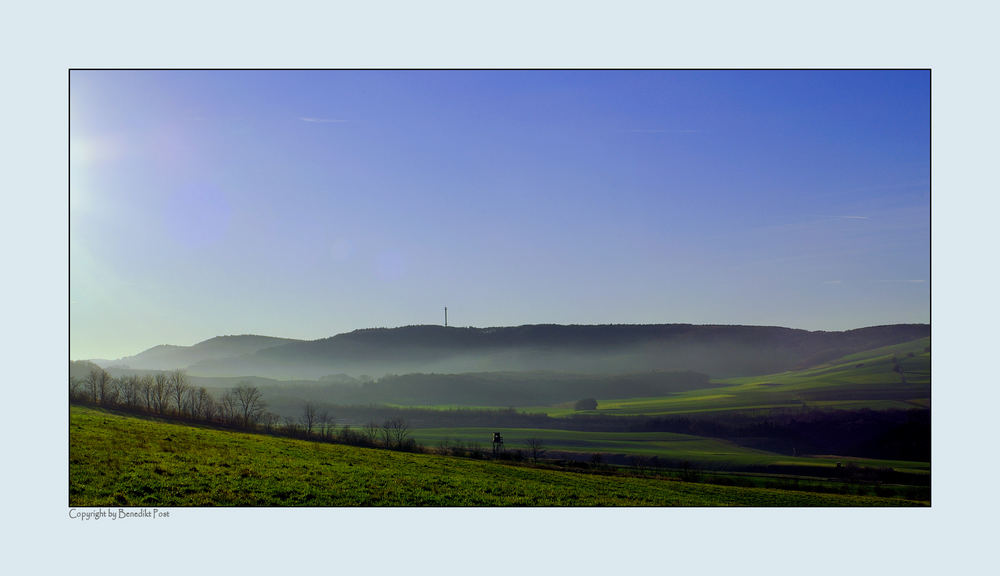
(308, 203)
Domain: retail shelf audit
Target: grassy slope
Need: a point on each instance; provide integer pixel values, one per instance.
(698, 450)
(864, 380)
(839, 384)
(118, 460)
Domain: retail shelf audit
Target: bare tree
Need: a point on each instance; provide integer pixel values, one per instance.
(325, 424)
(130, 390)
(209, 407)
(107, 387)
(251, 403)
(161, 392)
(386, 432)
(198, 400)
(270, 421)
(394, 432)
(400, 432)
(178, 389)
(536, 448)
(75, 387)
(109, 392)
(371, 431)
(146, 391)
(98, 383)
(90, 386)
(193, 403)
(309, 417)
(228, 407)
(349, 436)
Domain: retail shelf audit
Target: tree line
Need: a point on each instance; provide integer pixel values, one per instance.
(170, 394)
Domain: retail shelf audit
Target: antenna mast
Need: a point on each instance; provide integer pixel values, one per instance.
(446, 316)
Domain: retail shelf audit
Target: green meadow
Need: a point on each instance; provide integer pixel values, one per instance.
(129, 461)
(867, 380)
(696, 450)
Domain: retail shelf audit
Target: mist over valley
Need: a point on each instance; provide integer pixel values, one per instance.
(716, 351)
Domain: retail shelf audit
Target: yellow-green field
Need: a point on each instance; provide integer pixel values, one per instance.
(128, 461)
(865, 380)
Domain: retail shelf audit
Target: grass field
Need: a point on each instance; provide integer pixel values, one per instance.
(864, 380)
(697, 450)
(858, 381)
(128, 461)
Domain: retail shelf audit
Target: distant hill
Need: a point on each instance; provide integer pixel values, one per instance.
(168, 357)
(718, 351)
(80, 369)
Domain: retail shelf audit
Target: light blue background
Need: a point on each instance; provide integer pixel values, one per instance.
(955, 535)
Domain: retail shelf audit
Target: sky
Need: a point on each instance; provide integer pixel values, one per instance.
(304, 204)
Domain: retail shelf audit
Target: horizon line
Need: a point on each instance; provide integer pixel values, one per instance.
(372, 328)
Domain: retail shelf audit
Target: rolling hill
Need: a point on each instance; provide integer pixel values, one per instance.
(170, 357)
(718, 351)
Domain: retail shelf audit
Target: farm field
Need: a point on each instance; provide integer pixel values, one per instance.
(858, 381)
(866, 380)
(696, 450)
(129, 461)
